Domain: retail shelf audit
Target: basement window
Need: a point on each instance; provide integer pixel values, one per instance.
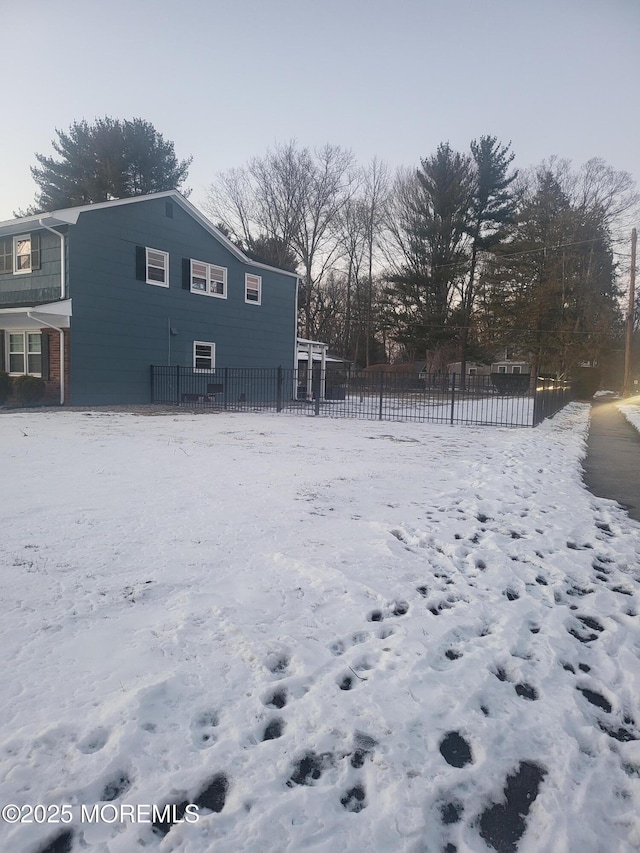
(204, 356)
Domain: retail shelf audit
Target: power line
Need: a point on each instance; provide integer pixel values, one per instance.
(508, 330)
(542, 249)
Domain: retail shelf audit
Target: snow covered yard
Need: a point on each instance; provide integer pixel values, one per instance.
(631, 410)
(322, 635)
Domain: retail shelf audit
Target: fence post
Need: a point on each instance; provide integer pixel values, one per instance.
(453, 397)
(315, 388)
(279, 390)
(381, 397)
(225, 387)
(153, 388)
(177, 384)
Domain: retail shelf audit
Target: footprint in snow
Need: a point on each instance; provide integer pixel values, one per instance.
(212, 797)
(277, 663)
(203, 727)
(502, 825)
(277, 699)
(621, 733)
(394, 608)
(94, 742)
(451, 812)
(445, 604)
(354, 800)
(61, 843)
(115, 787)
(310, 768)
(455, 750)
(339, 647)
(273, 730)
(596, 699)
(346, 682)
(587, 622)
(526, 691)
(578, 591)
(364, 746)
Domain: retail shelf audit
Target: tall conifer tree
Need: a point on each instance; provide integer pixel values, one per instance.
(110, 158)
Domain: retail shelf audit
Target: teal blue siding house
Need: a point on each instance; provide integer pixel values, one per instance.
(92, 296)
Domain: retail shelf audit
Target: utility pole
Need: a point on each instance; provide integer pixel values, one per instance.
(628, 389)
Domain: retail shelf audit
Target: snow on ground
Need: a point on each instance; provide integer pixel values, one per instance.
(320, 635)
(631, 410)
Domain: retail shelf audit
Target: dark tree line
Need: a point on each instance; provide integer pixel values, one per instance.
(458, 259)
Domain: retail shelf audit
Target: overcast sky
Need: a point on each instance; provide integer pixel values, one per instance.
(227, 79)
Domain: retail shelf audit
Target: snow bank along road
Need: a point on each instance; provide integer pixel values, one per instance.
(313, 635)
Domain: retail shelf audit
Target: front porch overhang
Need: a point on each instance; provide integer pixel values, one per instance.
(56, 315)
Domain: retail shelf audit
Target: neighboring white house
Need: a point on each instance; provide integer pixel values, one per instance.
(510, 367)
(316, 353)
(473, 368)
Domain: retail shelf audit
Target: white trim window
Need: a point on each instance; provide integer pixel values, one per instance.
(22, 253)
(208, 279)
(253, 288)
(26, 253)
(204, 356)
(157, 267)
(24, 353)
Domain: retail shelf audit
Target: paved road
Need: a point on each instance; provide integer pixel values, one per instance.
(612, 466)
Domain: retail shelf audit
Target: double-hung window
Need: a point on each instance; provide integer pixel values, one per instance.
(157, 267)
(208, 279)
(253, 288)
(204, 356)
(24, 355)
(20, 254)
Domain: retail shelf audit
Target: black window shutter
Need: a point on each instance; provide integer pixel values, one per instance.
(2, 364)
(141, 263)
(45, 355)
(186, 273)
(35, 251)
(6, 255)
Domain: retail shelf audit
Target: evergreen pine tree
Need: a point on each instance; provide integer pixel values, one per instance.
(110, 158)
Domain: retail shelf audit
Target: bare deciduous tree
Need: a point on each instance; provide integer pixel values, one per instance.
(294, 196)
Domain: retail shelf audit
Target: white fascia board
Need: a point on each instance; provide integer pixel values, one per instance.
(53, 313)
(70, 215)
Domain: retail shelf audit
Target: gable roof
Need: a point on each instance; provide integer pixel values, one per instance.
(70, 216)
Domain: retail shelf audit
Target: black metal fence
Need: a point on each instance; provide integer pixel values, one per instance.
(498, 400)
